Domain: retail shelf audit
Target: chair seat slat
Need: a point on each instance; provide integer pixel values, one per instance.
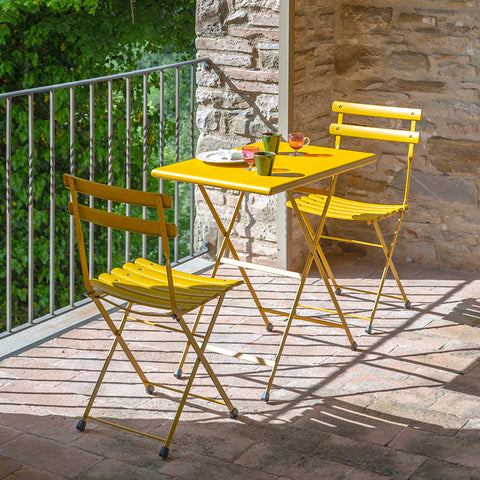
(153, 289)
(344, 209)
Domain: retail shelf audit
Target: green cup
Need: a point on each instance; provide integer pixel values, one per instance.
(271, 141)
(264, 162)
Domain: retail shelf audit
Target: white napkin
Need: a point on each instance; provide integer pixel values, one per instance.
(229, 155)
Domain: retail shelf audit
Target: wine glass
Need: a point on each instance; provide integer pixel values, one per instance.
(297, 141)
(248, 153)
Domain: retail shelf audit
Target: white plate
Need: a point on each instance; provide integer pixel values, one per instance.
(221, 156)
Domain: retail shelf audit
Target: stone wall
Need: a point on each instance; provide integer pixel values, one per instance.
(394, 52)
(423, 55)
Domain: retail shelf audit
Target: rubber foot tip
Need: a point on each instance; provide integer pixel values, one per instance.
(164, 452)
(81, 425)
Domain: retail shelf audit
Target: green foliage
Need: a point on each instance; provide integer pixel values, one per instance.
(51, 42)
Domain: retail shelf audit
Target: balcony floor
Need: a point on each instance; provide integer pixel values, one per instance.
(405, 405)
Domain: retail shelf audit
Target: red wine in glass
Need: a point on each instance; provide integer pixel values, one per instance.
(297, 141)
(248, 153)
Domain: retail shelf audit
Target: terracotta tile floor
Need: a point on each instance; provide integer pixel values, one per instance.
(405, 405)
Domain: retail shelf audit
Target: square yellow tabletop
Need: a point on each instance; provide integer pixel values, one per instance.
(289, 172)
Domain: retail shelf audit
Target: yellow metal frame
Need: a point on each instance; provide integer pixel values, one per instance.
(346, 209)
(168, 293)
(289, 174)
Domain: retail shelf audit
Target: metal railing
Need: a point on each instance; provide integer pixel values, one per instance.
(114, 129)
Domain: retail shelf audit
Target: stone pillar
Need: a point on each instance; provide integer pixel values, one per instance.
(237, 101)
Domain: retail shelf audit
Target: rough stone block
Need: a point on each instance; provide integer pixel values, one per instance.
(452, 156)
(457, 72)
(224, 44)
(207, 119)
(428, 86)
(365, 20)
(246, 32)
(207, 78)
(231, 59)
(269, 59)
(415, 63)
(417, 21)
(443, 44)
(265, 20)
(210, 13)
(351, 58)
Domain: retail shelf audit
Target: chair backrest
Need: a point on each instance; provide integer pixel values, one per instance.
(104, 217)
(411, 136)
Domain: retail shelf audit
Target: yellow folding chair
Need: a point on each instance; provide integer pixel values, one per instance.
(357, 211)
(131, 288)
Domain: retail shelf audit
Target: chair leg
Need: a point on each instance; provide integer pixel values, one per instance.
(323, 258)
(201, 359)
(388, 266)
(178, 372)
(123, 344)
(118, 337)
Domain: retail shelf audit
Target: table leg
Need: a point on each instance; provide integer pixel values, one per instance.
(227, 243)
(315, 254)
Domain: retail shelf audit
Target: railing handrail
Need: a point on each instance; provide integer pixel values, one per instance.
(89, 81)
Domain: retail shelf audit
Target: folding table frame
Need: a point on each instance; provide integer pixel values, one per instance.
(289, 174)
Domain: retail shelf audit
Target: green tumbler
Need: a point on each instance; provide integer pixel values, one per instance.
(264, 162)
(271, 141)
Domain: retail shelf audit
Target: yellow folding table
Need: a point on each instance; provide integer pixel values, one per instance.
(290, 174)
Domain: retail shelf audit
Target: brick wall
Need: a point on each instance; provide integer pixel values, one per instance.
(395, 52)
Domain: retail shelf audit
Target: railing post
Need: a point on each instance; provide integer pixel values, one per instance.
(110, 165)
(52, 202)
(145, 152)
(72, 172)
(91, 114)
(128, 154)
(30, 209)
(8, 227)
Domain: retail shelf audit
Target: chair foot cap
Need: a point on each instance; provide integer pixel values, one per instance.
(266, 396)
(269, 327)
(164, 452)
(338, 291)
(150, 389)
(81, 425)
(178, 373)
(354, 346)
(369, 329)
(408, 305)
(234, 413)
